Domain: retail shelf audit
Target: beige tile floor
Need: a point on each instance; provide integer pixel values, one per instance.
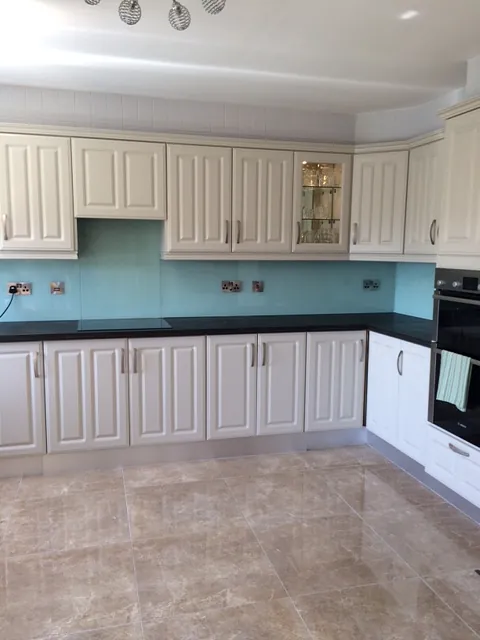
(331, 545)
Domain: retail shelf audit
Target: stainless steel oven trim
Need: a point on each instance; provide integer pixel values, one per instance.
(475, 303)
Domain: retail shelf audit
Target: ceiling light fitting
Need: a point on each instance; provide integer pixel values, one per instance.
(179, 16)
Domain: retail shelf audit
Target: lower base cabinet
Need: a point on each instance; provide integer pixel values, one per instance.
(454, 463)
(22, 402)
(335, 380)
(86, 395)
(167, 390)
(398, 389)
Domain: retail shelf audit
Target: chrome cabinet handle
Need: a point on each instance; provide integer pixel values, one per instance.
(455, 449)
(239, 229)
(264, 354)
(252, 363)
(355, 233)
(4, 226)
(299, 229)
(433, 231)
(36, 372)
(362, 352)
(122, 366)
(400, 357)
(135, 361)
(227, 234)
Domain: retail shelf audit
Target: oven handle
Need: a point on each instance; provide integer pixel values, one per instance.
(476, 303)
(474, 362)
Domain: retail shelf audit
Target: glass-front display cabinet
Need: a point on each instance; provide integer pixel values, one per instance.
(321, 202)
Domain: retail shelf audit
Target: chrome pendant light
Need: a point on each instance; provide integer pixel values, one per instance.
(130, 11)
(214, 6)
(179, 16)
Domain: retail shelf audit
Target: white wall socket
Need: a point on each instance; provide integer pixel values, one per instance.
(23, 288)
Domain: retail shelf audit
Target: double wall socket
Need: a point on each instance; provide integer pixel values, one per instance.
(23, 288)
(231, 286)
(371, 285)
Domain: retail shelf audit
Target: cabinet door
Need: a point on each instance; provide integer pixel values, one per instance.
(281, 383)
(460, 227)
(413, 396)
(262, 201)
(115, 179)
(231, 386)
(86, 392)
(167, 390)
(321, 202)
(424, 199)
(383, 386)
(378, 202)
(36, 195)
(22, 403)
(335, 380)
(199, 199)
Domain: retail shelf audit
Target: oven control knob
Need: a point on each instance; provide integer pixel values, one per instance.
(440, 283)
(456, 284)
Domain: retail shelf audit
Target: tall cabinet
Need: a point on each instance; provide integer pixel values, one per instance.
(36, 210)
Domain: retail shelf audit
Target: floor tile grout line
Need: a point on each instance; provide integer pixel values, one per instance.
(133, 557)
(417, 575)
(289, 597)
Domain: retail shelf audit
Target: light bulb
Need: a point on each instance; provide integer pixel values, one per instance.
(130, 11)
(179, 16)
(214, 6)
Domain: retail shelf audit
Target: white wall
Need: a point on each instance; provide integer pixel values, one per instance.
(110, 111)
(400, 124)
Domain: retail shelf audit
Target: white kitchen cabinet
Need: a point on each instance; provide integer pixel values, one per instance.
(321, 202)
(22, 402)
(36, 195)
(378, 202)
(454, 463)
(262, 201)
(424, 199)
(199, 199)
(167, 390)
(231, 386)
(335, 386)
(86, 394)
(281, 383)
(119, 179)
(398, 391)
(460, 225)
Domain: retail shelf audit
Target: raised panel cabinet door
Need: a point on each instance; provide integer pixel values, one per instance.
(262, 201)
(281, 383)
(460, 226)
(441, 462)
(199, 199)
(231, 386)
(22, 402)
(36, 209)
(167, 390)
(86, 394)
(379, 193)
(115, 179)
(424, 199)
(335, 380)
(414, 384)
(384, 360)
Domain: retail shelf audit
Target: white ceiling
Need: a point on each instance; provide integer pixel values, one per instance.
(337, 55)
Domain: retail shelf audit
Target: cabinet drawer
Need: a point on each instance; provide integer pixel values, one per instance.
(445, 462)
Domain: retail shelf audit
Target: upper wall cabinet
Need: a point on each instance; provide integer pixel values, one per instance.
(262, 201)
(321, 202)
(378, 202)
(460, 226)
(115, 179)
(36, 195)
(424, 199)
(199, 199)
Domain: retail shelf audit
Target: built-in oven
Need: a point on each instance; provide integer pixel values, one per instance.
(457, 329)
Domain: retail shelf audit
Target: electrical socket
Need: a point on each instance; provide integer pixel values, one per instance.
(23, 288)
(371, 285)
(231, 286)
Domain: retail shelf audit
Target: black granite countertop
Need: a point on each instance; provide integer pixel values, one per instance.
(405, 327)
